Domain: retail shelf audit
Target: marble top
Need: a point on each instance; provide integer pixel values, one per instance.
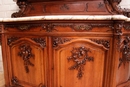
(67, 17)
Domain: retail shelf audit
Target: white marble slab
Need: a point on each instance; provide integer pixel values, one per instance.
(67, 17)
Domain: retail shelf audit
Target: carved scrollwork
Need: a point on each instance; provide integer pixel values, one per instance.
(41, 41)
(114, 8)
(57, 41)
(79, 56)
(22, 5)
(26, 53)
(125, 52)
(105, 43)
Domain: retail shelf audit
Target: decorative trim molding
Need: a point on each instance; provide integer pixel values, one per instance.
(56, 41)
(79, 56)
(125, 52)
(25, 51)
(105, 43)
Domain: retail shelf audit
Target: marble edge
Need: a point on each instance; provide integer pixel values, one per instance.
(67, 17)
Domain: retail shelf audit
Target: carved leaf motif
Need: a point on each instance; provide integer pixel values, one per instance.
(11, 39)
(79, 56)
(105, 43)
(57, 41)
(26, 54)
(125, 52)
(48, 27)
(41, 41)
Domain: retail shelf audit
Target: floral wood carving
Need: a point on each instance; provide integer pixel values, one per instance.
(26, 53)
(127, 27)
(118, 32)
(105, 43)
(57, 41)
(15, 82)
(48, 27)
(125, 52)
(41, 41)
(11, 39)
(79, 56)
(82, 27)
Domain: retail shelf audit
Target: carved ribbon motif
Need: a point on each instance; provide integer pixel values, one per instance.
(26, 54)
(125, 52)
(79, 57)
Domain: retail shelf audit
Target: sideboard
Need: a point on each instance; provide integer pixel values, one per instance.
(66, 44)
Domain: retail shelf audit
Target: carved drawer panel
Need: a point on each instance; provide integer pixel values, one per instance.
(60, 27)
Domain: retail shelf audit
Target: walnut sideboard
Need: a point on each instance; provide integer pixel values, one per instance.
(88, 49)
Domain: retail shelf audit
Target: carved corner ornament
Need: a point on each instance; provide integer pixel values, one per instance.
(79, 56)
(125, 51)
(57, 41)
(114, 8)
(15, 82)
(40, 41)
(105, 43)
(25, 51)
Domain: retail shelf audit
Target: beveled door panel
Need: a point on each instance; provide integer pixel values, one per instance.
(79, 62)
(27, 61)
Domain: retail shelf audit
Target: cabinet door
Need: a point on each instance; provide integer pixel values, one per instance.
(123, 70)
(27, 61)
(79, 62)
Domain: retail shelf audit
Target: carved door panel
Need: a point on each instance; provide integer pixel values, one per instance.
(123, 72)
(27, 61)
(79, 62)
